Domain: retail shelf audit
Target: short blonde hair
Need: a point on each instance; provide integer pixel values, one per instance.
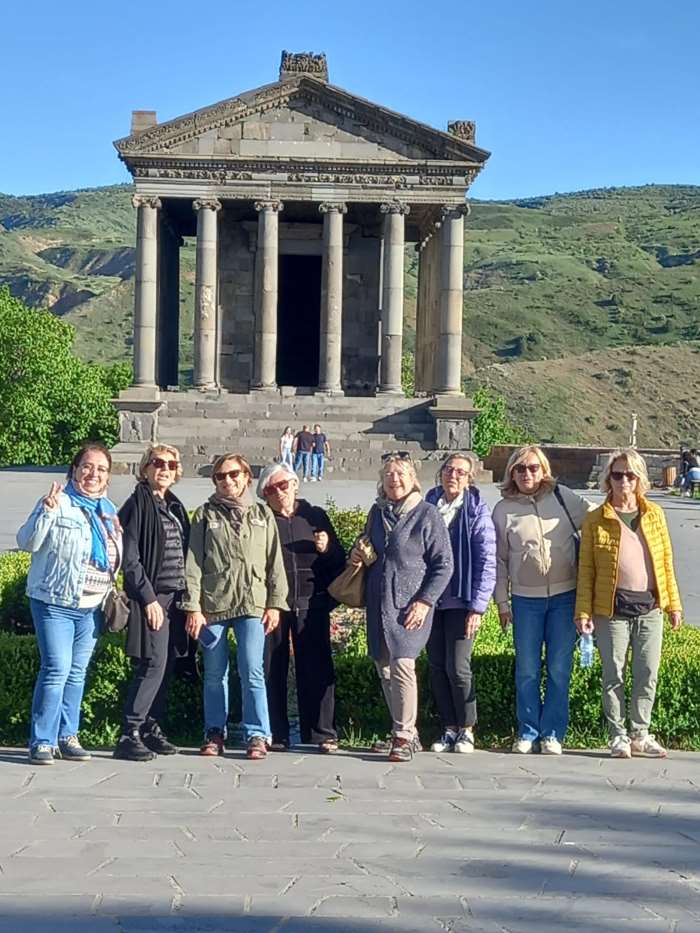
(398, 460)
(635, 463)
(468, 458)
(509, 486)
(241, 461)
(156, 450)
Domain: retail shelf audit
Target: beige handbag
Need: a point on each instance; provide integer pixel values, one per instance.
(349, 586)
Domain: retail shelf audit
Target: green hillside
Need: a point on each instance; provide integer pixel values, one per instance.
(551, 278)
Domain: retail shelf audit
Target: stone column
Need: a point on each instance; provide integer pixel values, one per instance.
(266, 262)
(146, 297)
(205, 289)
(392, 296)
(449, 371)
(331, 298)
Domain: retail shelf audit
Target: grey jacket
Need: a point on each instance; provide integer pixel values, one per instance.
(414, 563)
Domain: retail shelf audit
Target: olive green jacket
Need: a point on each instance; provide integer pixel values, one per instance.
(231, 574)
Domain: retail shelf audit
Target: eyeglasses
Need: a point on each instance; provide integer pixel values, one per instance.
(397, 455)
(619, 475)
(91, 468)
(221, 475)
(277, 487)
(456, 471)
(160, 464)
(523, 468)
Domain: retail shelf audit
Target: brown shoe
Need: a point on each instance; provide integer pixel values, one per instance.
(257, 748)
(401, 750)
(213, 744)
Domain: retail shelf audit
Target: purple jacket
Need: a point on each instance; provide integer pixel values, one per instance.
(473, 538)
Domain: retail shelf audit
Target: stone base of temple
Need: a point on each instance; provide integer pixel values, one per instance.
(359, 429)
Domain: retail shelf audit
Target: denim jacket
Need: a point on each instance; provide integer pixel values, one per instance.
(60, 542)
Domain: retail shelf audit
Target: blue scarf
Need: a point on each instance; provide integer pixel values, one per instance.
(94, 510)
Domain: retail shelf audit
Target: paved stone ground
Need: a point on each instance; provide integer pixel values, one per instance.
(20, 489)
(494, 843)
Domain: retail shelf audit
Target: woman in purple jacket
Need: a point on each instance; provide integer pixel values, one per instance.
(460, 608)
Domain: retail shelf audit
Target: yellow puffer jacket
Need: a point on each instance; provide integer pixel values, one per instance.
(598, 560)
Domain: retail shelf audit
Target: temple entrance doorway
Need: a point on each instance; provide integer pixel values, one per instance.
(298, 320)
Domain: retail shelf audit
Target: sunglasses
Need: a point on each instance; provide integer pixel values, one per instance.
(397, 455)
(619, 475)
(456, 471)
(160, 464)
(523, 468)
(221, 475)
(277, 487)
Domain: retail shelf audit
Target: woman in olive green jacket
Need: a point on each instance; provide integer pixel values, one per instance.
(235, 579)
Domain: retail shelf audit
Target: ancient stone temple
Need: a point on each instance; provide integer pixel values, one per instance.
(302, 198)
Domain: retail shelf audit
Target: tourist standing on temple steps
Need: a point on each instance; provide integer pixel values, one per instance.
(303, 447)
(321, 450)
(286, 444)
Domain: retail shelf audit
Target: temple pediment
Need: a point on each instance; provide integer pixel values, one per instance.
(301, 117)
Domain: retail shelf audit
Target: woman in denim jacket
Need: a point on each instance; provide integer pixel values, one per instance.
(74, 538)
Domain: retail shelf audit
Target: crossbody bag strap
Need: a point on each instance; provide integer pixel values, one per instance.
(560, 500)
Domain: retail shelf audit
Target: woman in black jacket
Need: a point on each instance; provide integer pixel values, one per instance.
(313, 557)
(156, 532)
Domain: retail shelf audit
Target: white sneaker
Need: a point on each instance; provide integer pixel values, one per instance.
(550, 746)
(446, 742)
(647, 747)
(620, 747)
(524, 747)
(464, 743)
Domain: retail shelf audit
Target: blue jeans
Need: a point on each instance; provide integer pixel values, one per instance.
(250, 640)
(317, 461)
(66, 639)
(303, 459)
(548, 621)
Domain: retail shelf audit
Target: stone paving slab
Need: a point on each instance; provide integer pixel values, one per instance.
(490, 842)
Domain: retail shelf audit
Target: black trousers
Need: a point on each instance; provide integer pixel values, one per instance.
(147, 693)
(313, 662)
(449, 661)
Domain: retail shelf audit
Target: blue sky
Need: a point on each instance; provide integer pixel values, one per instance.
(566, 95)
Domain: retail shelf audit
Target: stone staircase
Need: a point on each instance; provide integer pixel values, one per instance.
(359, 430)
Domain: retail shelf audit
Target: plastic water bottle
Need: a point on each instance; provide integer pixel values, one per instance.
(586, 647)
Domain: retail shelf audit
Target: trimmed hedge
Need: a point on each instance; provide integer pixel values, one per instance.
(360, 707)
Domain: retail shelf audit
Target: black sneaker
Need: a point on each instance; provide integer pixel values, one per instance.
(131, 748)
(71, 750)
(154, 739)
(41, 754)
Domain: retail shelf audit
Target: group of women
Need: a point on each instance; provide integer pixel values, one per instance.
(263, 569)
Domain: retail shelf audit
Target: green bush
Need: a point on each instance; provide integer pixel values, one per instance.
(348, 523)
(14, 605)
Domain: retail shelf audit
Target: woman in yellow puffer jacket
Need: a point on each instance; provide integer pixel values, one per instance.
(625, 584)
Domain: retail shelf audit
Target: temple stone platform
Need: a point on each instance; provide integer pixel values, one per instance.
(359, 429)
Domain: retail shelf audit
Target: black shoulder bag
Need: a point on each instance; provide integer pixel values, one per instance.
(577, 534)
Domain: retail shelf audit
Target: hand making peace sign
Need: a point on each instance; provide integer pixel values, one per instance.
(51, 501)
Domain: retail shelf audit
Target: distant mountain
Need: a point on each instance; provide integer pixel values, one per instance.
(555, 278)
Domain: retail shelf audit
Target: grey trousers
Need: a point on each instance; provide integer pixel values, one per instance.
(400, 687)
(614, 638)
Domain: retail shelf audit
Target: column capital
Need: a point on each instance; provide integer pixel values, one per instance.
(206, 204)
(454, 211)
(274, 206)
(144, 200)
(327, 207)
(395, 207)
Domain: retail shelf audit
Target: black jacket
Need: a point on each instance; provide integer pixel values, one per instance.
(308, 572)
(143, 550)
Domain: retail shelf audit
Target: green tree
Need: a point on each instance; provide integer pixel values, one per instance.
(50, 401)
(492, 425)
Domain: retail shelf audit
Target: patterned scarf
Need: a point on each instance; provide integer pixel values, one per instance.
(392, 510)
(99, 512)
(236, 506)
